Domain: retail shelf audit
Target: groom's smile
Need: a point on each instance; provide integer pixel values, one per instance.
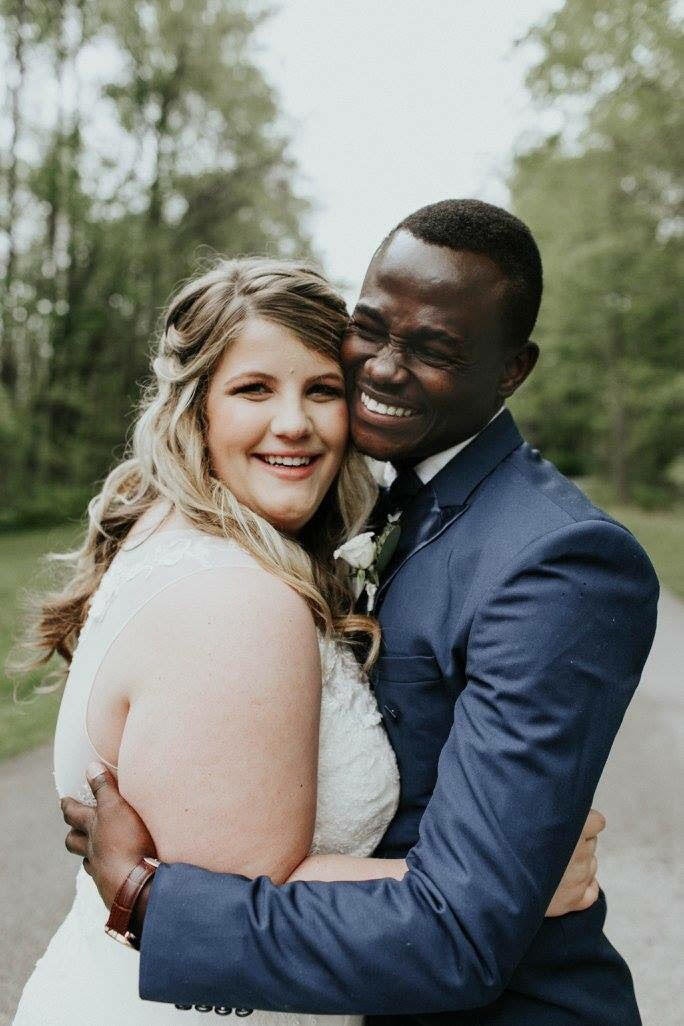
(426, 353)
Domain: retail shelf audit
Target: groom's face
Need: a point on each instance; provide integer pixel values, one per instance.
(425, 354)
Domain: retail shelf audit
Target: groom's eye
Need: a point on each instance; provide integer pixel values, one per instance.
(433, 357)
(367, 332)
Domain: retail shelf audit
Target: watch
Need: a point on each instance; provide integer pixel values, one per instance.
(118, 925)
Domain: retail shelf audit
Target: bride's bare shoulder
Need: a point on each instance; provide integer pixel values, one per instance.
(234, 613)
(223, 672)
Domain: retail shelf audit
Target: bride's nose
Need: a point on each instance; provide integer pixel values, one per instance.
(291, 420)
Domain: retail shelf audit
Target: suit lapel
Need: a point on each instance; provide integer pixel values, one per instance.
(445, 498)
(416, 534)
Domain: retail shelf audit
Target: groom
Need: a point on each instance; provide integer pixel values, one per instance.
(516, 619)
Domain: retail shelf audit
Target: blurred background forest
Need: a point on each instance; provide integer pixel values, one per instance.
(138, 138)
(604, 200)
(111, 187)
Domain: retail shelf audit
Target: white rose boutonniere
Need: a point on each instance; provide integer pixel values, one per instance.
(359, 551)
(367, 555)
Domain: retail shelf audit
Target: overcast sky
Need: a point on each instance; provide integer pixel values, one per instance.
(392, 104)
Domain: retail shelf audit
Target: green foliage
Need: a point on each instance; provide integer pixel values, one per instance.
(109, 197)
(27, 719)
(602, 198)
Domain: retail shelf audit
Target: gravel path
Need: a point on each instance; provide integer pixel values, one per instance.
(639, 852)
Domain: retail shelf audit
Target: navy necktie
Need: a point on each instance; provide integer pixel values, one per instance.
(403, 489)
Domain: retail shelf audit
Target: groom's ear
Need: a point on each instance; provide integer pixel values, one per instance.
(518, 367)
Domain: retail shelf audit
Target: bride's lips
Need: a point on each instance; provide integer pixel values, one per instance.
(289, 473)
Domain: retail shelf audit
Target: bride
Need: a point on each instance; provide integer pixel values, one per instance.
(210, 641)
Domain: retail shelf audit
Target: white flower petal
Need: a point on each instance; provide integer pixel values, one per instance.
(359, 552)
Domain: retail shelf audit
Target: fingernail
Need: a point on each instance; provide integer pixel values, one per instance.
(94, 769)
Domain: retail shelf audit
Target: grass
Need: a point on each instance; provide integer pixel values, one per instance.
(29, 723)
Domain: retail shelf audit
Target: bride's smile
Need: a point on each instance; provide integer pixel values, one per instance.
(277, 423)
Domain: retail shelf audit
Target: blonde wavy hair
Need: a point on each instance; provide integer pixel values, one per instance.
(168, 458)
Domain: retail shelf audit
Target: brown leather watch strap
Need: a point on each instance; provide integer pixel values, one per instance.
(118, 925)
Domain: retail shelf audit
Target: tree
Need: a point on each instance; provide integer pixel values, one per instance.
(176, 152)
(603, 196)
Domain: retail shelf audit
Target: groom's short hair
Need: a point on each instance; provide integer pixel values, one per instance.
(470, 225)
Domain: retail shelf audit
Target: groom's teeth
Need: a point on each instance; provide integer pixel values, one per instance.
(388, 411)
(288, 461)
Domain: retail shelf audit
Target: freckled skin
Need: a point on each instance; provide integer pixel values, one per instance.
(446, 304)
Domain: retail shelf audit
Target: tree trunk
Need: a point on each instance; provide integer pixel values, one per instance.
(8, 354)
(618, 456)
(161, 131)
(64, 243)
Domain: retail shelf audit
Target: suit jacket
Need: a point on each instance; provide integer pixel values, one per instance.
(516, 620)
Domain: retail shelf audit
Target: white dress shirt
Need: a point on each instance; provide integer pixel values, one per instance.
(385, 473)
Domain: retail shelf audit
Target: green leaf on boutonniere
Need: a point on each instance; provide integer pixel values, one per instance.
(387, 543)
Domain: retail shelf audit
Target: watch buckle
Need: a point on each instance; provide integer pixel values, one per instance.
(123, 938)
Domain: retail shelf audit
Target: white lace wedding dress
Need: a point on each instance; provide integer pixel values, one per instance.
(87, 979)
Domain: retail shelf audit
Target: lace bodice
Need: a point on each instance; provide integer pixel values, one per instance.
(86, 978)
(357, 770)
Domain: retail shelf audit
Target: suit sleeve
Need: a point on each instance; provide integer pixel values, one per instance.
(555, 652)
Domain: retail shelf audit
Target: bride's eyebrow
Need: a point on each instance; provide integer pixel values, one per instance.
(261, 375)
(335, 377)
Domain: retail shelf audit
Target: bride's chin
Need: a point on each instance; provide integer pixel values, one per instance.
(289, 522)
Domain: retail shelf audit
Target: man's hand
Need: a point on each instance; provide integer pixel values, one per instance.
(110, 838)
(579, 887)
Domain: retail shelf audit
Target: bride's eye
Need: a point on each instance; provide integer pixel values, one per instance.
(255, 388)
(327, 391)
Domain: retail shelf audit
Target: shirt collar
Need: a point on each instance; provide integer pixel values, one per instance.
(428, 468)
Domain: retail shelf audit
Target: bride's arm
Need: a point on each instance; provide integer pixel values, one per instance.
(347, 867)
(578, 889)
(219, 751)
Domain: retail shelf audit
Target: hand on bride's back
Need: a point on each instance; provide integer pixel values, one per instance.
(579, 888)
(110, 837)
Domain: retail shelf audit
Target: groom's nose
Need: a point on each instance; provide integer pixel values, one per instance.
(386, 367)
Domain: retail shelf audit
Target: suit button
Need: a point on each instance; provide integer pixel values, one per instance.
(183, 1008)
(243, 1012)
(204, 1008)
(222, 1010)
(392, 713)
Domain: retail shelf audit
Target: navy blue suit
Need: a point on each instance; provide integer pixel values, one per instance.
(516, 620)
